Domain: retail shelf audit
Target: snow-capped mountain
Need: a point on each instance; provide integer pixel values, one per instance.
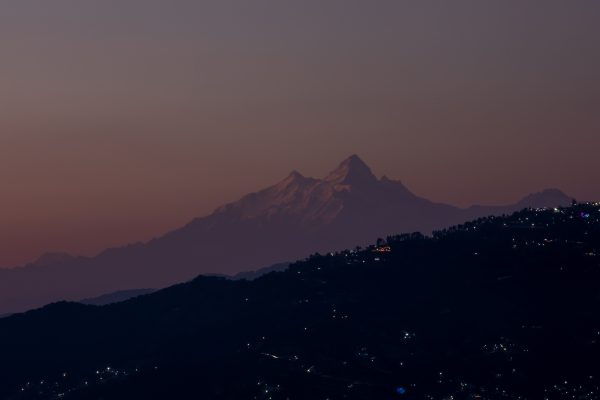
(289, 220)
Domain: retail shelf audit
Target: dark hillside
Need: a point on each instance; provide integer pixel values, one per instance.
(498, 308)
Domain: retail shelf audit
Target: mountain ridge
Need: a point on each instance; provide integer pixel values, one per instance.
(298, 215)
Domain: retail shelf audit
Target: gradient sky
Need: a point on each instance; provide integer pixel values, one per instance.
(122, 119)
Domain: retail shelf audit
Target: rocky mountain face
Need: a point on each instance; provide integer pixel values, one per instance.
(290, 220)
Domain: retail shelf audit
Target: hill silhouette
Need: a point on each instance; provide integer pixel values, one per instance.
(116, 297)
(286, 221)
(500, 307)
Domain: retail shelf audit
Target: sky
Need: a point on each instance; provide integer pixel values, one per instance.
(120, 120)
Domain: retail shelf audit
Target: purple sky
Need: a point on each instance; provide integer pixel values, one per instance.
(122, 119)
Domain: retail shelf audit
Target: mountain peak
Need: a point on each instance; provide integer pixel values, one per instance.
(546, 198)
(295, 175)
(294, 178)
(354, 160)
(352, 171)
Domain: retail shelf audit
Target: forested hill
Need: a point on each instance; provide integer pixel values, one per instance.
(498, 308)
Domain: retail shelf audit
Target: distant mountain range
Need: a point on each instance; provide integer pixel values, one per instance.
(116, 297)
(295, 217)
(124, 295)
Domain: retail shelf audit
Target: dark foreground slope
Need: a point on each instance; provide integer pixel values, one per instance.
(501, 308)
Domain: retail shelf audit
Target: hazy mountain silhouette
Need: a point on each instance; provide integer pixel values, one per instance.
(49, 259)
(116, 297)
(123, 295)
(250, 275)
(295, 217)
